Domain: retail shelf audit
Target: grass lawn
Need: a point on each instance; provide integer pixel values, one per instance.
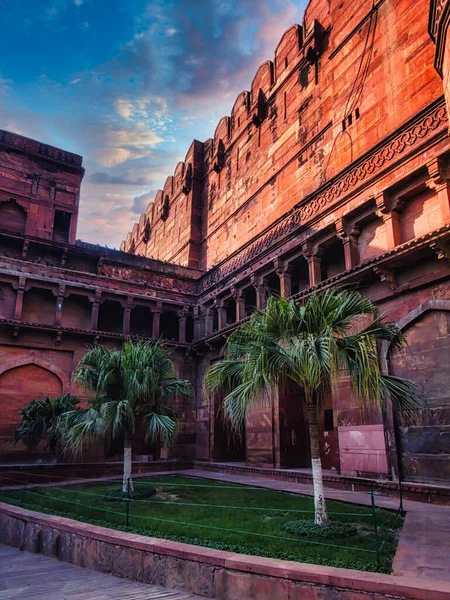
(225, 516)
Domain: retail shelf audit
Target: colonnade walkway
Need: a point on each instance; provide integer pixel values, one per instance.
(424, 547)
(27, 576)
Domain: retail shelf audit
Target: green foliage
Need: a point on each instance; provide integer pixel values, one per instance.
(140, 493)
(225, 527)
(307, 529)
(312, 345)
(40, 420)
(130, 386)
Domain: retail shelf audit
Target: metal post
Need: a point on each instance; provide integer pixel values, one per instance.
(128, 502)
(400, 489)
(375, 528)
(24, 488)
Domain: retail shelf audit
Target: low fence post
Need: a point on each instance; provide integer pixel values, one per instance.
(375, 528)
(400, 490)
(24, 488)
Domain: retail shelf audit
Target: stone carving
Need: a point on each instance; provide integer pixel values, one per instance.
(146, 277)
(416, 132)
(32, 146)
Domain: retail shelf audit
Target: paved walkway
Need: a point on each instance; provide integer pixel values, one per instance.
(35, 577)
(424, 546)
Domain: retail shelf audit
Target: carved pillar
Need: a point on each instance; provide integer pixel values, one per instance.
(239, 297)
(209, 321)
(95, 308)
(59, 303)
(313, 258)
(199, 324)
(156, 320)
(19, 298)
(127, 308)
(219, 303)
(391, 219)
(260, 287)
(284, 272)
(438, 182)
(349, 242)
(182, 316)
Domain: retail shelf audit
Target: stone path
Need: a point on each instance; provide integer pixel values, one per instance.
(35, 577)
(424, 546)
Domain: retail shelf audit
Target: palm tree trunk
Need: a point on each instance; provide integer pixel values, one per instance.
(127, 484)
(320, 509)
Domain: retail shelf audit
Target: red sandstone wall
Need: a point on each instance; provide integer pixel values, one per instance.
(253, 174)
(36, 180)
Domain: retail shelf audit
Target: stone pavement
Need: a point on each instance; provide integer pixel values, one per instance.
(424, 546)
(32, 576)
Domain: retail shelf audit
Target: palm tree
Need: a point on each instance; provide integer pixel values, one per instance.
(40, 421)
(312, 345)
(130, 387)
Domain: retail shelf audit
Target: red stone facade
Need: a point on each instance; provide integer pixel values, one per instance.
(333, 168)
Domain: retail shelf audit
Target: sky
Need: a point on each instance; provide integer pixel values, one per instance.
(128, 84)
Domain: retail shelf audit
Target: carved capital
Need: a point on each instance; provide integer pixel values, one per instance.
(282, 267)
(387, 275)
(237, 293)
(442, 249)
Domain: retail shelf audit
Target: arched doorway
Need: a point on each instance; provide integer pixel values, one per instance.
(12, 216)
(424, 448)
(18, 386)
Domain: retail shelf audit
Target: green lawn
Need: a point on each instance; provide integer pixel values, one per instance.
(225, 516)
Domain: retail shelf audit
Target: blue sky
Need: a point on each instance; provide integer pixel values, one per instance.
(128, 84)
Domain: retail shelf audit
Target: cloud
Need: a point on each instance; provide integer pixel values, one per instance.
(110, 157)
(140, 203)
(130, 177)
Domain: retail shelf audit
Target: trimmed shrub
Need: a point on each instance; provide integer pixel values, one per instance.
(141, 493)
(309, 530)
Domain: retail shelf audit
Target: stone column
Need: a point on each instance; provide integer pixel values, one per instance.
(182, 316)
(19, 298)
(156, 320)
(96, 299)
(209, 321)
(259, 284)
(391, 219)
(219, 303)
(284, 271)
(199, 323)
(60, 294)
(127, 308)
(350, 243)
(438, 182)
(239, 298)
(313, 257)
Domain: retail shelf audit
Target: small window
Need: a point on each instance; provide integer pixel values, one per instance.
(239, 121)
(350, 119)
(286, 62)
(357, 113)
(61, 226)
(344, 126)
(328, 420)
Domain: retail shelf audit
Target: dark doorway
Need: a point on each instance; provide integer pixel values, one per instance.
(226, 447)
(110, 317)
(273, 285)
(300, 275)
(141, 321)
(61, 226)
(250, 300)
(169, 326)
(231, 311)
(294, 433)
(333, 259)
